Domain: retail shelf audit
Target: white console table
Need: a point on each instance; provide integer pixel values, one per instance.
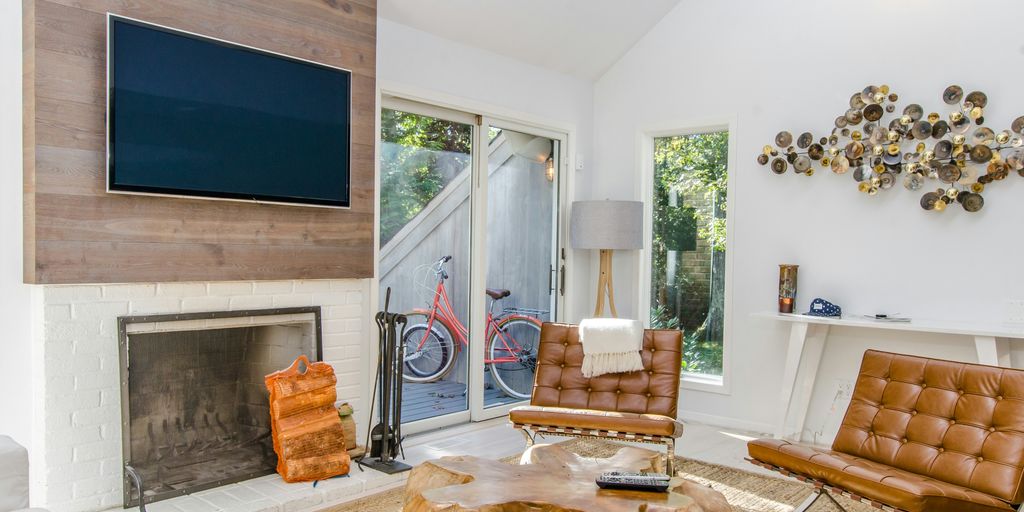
(807, 342)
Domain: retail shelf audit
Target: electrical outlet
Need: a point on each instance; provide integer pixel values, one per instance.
(1014, 311)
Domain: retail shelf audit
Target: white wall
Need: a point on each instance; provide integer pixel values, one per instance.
(793, 65)
(14, 296)
(411, 58)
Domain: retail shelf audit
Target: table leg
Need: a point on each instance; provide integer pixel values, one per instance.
(798, 379)
(992, 351)
(797, 337)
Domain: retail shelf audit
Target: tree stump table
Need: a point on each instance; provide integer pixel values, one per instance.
(548, 479)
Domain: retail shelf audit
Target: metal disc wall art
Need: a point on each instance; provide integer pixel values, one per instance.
(954, 152)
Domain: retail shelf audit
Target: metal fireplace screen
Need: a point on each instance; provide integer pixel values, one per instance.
(194, 406)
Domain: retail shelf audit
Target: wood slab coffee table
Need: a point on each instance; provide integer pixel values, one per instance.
(548, 479)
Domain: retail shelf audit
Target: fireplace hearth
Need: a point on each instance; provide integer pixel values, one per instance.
(194, 405)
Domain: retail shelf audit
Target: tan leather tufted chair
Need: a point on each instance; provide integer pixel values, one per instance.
(638, 406)
(919, 435)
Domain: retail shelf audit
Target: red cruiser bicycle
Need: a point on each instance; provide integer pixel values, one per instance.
(435, 336)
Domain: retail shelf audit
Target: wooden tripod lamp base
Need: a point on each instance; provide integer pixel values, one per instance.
(606, 226)
(604, 285)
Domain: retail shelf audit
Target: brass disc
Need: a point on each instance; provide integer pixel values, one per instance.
(779, 165)
(854, 150)
(913, 181)
(886, 180)
(928, 200)
(1018, 125)
(801, 164)
(804, 140)
(981, 154)
(983, 135)
(783, 139)
(873, 112)
(943, 149)
(952, 95)
(949, 173)
(914, 111)
(977, 99)
(840, 165)
(973, 202)
(922, 130)
(854, 116)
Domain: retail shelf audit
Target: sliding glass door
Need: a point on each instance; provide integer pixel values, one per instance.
(425, 172)
(521, 247)
(469, 216)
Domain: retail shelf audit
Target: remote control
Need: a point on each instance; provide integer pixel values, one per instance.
(652, 482)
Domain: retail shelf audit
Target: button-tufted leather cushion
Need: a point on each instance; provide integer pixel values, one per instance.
(644, 399)
(895, 487)
(948, 431)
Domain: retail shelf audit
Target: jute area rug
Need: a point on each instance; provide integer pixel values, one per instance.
(746, 491)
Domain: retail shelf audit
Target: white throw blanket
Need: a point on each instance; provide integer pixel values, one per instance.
(611, 345)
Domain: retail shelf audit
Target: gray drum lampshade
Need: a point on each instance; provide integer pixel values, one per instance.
(607, 224)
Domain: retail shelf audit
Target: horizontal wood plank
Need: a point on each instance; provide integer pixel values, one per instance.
(95, 262)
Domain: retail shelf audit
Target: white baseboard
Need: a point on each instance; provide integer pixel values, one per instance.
(727, 422)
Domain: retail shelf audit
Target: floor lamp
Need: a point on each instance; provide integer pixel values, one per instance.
(606, 225)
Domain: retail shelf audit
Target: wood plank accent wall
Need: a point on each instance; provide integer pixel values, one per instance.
(75, 232)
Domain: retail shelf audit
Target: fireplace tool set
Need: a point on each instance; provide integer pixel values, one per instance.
(386, 436)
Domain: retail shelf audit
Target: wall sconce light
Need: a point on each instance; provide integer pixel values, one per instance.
(549, 173)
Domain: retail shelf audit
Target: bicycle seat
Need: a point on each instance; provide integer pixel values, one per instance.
(498, 293)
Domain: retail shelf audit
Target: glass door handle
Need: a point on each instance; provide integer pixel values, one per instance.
(561, 281)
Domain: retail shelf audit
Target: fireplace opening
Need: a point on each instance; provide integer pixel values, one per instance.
(195, 409)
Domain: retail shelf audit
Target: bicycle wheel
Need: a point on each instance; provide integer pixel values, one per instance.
(512, 349)
(428, 355)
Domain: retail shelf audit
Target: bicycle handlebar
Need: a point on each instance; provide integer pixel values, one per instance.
(439, 270)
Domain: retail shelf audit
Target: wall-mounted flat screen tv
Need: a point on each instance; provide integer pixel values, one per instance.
(194, 116)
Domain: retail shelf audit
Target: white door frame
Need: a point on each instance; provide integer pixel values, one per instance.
(441, 105)
(478, 301)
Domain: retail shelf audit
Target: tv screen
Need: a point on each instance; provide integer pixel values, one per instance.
(194, 116)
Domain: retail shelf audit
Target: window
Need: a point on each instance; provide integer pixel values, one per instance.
(688, 244)
(420, 156)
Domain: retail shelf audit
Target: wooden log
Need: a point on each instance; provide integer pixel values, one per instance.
(548, 479)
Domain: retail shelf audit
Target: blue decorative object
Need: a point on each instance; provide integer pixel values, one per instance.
(822, 307)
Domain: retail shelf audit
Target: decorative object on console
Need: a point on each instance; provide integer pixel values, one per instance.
(611, 345)
(965, 156)
(787, 287)
(920, 435)
(606, 225)
(308, 437)
(822, 307)
(638, 406)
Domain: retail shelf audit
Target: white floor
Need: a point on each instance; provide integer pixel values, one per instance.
(493, 439)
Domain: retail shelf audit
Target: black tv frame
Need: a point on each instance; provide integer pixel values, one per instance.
(214, 195)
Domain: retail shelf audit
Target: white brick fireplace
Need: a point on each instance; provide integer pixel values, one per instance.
(76, 452)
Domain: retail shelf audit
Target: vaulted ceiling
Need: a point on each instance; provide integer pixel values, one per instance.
(578, 37)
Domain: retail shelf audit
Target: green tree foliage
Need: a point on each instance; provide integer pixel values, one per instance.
(693, 167)
(419, 156)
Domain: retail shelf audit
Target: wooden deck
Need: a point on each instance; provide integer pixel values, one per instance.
(427, 400)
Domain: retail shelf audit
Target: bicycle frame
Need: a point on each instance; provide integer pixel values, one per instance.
(441, 311)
